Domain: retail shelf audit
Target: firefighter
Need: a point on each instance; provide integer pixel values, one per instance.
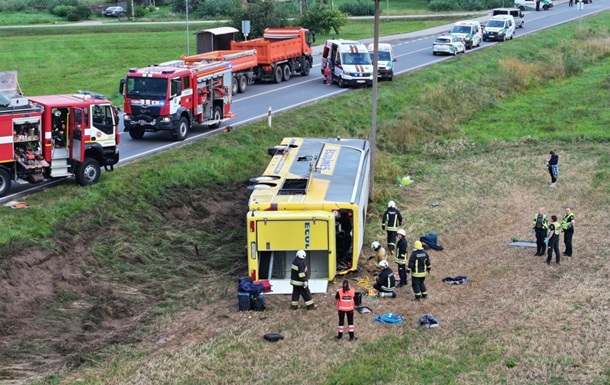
(299, 279)
(567, 227)
(59, 135)
(419, 265)
(385, 280)
(390, 222)
(553, 240)
(345, 307)
(540, 228)
(380, 254)
(401, 256)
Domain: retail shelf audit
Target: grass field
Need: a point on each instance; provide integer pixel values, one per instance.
(133, 280)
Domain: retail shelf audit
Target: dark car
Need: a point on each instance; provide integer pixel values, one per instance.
(114, 11)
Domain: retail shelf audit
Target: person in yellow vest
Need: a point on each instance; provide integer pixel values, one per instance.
(345, 307)
(401, 256)
(419, 266)
(390, 222)
(567, 227)
(553, 240)
(540, 228)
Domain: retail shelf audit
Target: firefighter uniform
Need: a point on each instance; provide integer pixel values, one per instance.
(419, 265)
(299, 277)
(345, 307)
(401, 260)
(540, 228)
(553, 242)
(567, 227)
(392, 219)
(385, 280)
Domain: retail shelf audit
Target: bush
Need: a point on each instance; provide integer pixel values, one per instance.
(463, 5)
(322, 20)
(212, 8)
(140, 11)
(62, 10)
(12, 6)
(262, 15)
(442, 5)
(358, 8)
(78, 13)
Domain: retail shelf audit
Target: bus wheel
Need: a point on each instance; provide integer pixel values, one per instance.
(216, 115)
(287, 72)
(88, 173)
(243, 83)
(277, 74)
(136, 132)
(5, 182)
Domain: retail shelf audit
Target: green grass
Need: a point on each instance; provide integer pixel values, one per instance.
(144, 220)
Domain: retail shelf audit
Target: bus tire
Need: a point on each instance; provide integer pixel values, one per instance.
(277, 74)
(88, 173)
(183, 130)
(286, 72)
(5, 182)
(136, 132)
(243, 83)
(216, 115)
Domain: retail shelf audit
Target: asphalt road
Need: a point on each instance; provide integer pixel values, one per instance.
(412, 50)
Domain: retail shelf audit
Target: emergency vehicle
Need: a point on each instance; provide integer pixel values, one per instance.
(349, 61)
(313, 196)
(173, 96)
(54, 136)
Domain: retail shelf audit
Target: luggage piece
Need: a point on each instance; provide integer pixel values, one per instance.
(266, 285)
(258, 302)
(243, 300)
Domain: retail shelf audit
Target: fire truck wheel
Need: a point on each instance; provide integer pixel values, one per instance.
(306, 68)
(183, 130)
(234, 86)
(243, 83)
(216, 115)
(287, 72)
(88, 173)
(277, 74)
(136, 132)
(5, 182)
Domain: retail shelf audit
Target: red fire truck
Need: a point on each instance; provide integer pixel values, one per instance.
(54, 136)
(173, 96)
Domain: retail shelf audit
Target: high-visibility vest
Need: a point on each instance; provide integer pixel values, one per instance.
(545, 224)
(557, 229)
(566, 221)
(346, 300)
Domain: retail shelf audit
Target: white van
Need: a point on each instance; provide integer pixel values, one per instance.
(469, 31)
(530, 5)
(516, 13)
(349, 61)
(385, 67)
(500, 27)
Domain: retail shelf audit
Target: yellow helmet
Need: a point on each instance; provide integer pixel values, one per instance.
(417, 245)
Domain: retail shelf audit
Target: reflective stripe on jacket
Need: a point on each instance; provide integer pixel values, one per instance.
(391, 219)
(555, 229)
(298, 272)
(419, 263)
(545, 224)
(401, 255)
(566, 221)
(345, 302)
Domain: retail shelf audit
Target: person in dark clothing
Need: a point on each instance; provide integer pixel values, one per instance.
(390, 222)
(553, 166)
(401, 256)
(419, 265)
(540, 228)
(567, 227)
(345, 307)
(537, 5)
(553, 240)
(299, 278)
(385, 280)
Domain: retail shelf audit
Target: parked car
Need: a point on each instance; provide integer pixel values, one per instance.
(448, 44)
(114, 12)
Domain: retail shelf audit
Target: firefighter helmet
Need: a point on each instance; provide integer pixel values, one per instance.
(375, 245)
(384, 264)
(391, 204)
(402, 232)
(417, 245)
(301, 254)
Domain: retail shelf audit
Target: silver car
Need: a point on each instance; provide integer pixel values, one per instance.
(114, 11)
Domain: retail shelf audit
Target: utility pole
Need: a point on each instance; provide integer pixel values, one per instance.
(188, 44)
(374, 106)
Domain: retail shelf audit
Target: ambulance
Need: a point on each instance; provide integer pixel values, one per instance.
(349, 61)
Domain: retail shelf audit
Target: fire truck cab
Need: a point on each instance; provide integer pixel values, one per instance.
(54, 136)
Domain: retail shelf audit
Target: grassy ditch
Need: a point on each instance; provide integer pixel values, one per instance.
(147, 258)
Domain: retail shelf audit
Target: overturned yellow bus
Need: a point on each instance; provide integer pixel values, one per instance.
(313, 196)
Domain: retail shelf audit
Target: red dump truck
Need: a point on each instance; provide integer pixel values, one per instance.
(280, 53)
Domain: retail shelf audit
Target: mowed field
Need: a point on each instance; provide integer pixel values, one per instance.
(135, 280)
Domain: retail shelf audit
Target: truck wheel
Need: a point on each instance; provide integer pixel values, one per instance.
(183, 130)
(306, 68)
(88, 173)
(136, 132)
(341, 83)
(216, 115)
(277, 74)
(234, 86)
(287, 72)
(243, 83)
(5, 182)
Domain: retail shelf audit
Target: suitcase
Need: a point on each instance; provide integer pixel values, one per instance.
(243, 300)
(266, 284)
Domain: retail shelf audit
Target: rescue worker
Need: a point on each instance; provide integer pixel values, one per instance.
(345, 306)
(59, 135)
(540, 228)
(567, 227)
(380, 254)
(390, 222)
(553, 240)
(419, 265)
(386, 283)
(401, 256)
(299, 279)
